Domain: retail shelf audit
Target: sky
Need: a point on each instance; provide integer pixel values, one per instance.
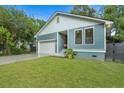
(45, 11)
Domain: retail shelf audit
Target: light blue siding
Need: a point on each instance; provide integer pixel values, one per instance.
(90, 55)
(60, 43)
(99, 39)
(47, 36)
(99, 42)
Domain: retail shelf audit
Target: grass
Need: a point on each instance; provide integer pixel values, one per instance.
(64, 73)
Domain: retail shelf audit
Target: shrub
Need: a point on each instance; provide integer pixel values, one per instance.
(19, 51)
(69, 53)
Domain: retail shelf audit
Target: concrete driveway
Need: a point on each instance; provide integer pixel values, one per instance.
(17, 58)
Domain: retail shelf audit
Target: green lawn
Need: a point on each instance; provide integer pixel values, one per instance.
(61, 72)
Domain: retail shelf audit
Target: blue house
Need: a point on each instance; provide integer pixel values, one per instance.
(85, 35)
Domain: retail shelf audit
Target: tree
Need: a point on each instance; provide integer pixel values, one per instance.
(21, 27)
(6, 40)
(110, 12)
(84, 10)
(116, 14)
(120, 30)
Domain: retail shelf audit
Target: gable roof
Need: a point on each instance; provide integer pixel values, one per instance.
(73, 15)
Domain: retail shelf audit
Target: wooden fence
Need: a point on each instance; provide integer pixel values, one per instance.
(115, 51)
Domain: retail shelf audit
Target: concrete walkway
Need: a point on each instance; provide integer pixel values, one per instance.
(17, 58)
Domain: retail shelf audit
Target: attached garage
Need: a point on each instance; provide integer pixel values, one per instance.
(47, 47)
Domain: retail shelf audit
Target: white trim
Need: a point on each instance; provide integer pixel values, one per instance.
(47, 40)
(81, 34)
(93, 35)
(90, 50)
(60, 13)
(104, 37)
(57, 42)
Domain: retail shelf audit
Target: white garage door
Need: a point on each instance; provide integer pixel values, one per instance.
(47, 47)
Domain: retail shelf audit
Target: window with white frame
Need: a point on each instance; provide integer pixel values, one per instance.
(89, 38)
(78, 37)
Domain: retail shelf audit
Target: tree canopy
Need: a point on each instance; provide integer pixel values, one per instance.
(21, 27)
(84, 10)
(116, 14)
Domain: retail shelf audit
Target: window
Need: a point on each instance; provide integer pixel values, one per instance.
(89, 36)
(78, 37)
(57, 21)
